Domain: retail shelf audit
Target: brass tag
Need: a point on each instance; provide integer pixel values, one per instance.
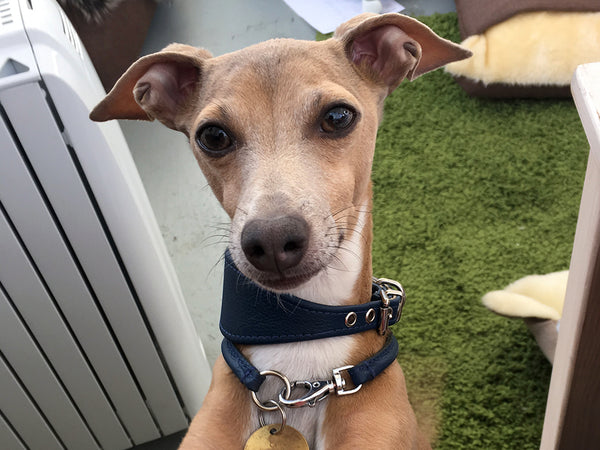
(287, 439)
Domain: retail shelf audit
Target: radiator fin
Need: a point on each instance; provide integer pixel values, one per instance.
(22, 412)
(6, 14)
(32, 366)
(9, 437)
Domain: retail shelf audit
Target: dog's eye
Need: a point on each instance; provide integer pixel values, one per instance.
(338, 118)
(214, 140)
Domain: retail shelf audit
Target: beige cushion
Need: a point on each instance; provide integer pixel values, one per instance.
(535, 48)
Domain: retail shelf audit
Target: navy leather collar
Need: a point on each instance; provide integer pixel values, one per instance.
(253, 315)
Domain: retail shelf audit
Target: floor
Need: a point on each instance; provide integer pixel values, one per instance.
(185, 209)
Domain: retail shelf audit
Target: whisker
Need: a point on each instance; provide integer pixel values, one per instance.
(216, 239)
(339, 228)
(344, 268)
(243, 211)
(350, 251)
(364, 210)
(218, 263)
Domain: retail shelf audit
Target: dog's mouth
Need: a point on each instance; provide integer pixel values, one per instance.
(284, 280)
(283, 283)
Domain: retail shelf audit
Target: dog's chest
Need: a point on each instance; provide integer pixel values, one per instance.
(310, 361)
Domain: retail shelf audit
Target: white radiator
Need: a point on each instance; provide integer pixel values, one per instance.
(97, 348)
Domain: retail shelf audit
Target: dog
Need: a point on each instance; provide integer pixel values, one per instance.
(284, 132)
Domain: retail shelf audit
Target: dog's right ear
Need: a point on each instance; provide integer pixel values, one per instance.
(158, 86)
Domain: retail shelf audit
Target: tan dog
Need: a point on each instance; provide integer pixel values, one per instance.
(284, 132)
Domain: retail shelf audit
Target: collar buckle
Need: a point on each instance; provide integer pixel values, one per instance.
(388, 290)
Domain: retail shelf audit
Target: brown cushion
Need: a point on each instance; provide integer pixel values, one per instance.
(503, 90)
(476, 16)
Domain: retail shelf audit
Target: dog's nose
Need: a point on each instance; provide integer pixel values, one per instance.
(274, 245)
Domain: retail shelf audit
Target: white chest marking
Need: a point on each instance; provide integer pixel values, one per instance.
(311, 361)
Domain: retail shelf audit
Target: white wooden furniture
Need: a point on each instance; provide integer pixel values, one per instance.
(573, 410)
(97, 348)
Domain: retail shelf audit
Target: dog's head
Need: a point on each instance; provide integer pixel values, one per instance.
(284, 132)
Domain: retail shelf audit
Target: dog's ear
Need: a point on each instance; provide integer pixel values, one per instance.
(390, 47)
(157, 86)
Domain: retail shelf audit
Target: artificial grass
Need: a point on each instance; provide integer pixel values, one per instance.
(470, 195)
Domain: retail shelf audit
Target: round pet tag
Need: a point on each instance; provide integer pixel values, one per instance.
(287, 439)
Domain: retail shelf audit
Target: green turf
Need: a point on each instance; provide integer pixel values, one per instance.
(470, 195)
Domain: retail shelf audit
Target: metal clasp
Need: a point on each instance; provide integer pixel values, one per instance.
(389, 290)
(340, 383)
(318, 390)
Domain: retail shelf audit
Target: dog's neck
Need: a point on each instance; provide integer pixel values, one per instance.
(347, 281)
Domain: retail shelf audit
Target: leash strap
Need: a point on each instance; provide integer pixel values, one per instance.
(241, 367)
(361, 373)
(370, 368)
(253, 315)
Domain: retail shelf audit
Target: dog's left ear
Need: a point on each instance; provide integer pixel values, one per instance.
(390, 47)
